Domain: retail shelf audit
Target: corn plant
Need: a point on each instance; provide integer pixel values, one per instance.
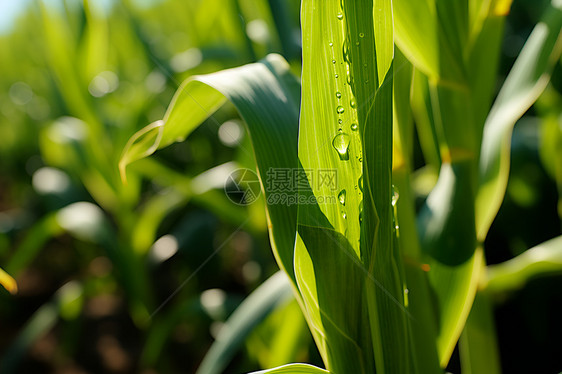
(383, 288)
(72, 104)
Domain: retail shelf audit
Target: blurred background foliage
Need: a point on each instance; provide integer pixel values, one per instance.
(98, 262)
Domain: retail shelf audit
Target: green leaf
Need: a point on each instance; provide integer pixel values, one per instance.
(213, 200)
(432, 34)
(424, 330)
(95, 45)
(346, 127)
(266, 298)
(31, 245)
(267, 97)
(454, 289)
(478, 344)
(282, 338)
(416, 33)
(423, 113)
(333, 307)
(450, 109)
(293, 369)
(446, 221)
(543, 259)
(483, 51)
(525, 82)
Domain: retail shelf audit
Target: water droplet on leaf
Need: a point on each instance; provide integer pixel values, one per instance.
(341, 145)
(361, 211)
(395, 195)
(340, 109)
(341, 197)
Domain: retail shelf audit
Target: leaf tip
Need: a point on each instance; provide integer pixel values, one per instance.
(8, 282)
(142, 144)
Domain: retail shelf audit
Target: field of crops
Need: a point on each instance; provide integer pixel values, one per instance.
(281, 186)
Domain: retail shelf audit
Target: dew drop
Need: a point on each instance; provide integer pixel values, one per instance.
(395, 195)
(338, 95)
(333, 61)
(357, 42)
(352, 103)
(345, 52)
(360, 159)
(341, 145)
(353, 127)
(340, 121)
(340, 109)
(330, 44)
(361, 35)
(340, 16)
(341, 197)
(361, 183)
(361, 211)
(344, 215)
(337, 75)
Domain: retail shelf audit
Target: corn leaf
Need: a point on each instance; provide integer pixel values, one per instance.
(478, 344)
(424, 330)
(416, 33)
(527, 79)
(511, 275)
(38, 235)
(423, 113)
(164, 176)
(450, 106)
(293, 369)
(267, 97)
(282, 338)
(271, 294)
(346, 127)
